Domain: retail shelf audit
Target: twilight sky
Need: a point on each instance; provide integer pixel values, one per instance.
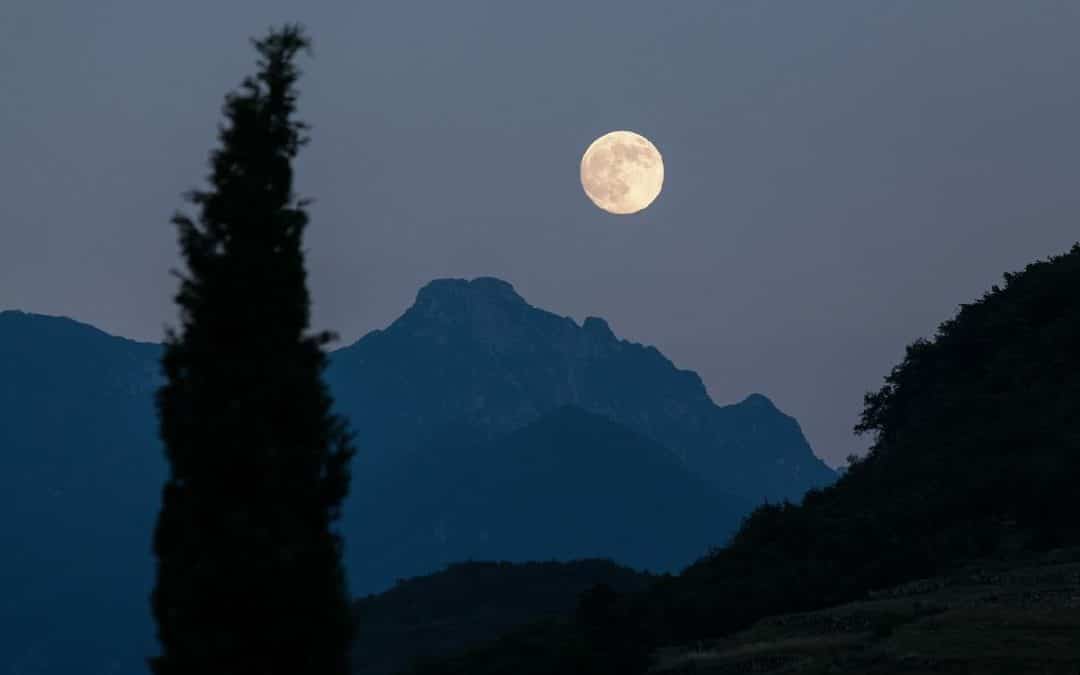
(839, 175)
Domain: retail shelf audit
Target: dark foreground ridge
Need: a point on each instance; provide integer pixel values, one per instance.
(1020, 616)
(468, 603)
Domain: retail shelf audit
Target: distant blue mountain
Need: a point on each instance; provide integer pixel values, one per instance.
(487, 429)
(80, 477)
(569, 485)
(476, 352)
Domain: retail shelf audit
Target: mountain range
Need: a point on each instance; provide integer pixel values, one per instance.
(951, 546)
(475, 352)
(487, 429)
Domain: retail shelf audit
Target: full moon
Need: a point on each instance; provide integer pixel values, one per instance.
(622, 172)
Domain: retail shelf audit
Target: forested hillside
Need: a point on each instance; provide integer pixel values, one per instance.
(439, 614)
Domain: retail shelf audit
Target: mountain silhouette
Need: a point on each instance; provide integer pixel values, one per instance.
(80, 475)
(569, 485)
(476, 352)
(462, 396)
(962, 515)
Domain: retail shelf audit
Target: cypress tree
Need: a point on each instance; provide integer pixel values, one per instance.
(249, 572)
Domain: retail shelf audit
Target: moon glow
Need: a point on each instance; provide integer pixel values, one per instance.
(622, 172)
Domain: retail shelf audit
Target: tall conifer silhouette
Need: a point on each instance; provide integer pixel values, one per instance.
(249, 573)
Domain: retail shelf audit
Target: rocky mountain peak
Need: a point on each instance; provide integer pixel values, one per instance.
(475, 352)
(479, 290)
(484, 308)
(594, 325)
(757, 401)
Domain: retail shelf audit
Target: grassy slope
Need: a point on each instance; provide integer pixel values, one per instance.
(994, 617)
